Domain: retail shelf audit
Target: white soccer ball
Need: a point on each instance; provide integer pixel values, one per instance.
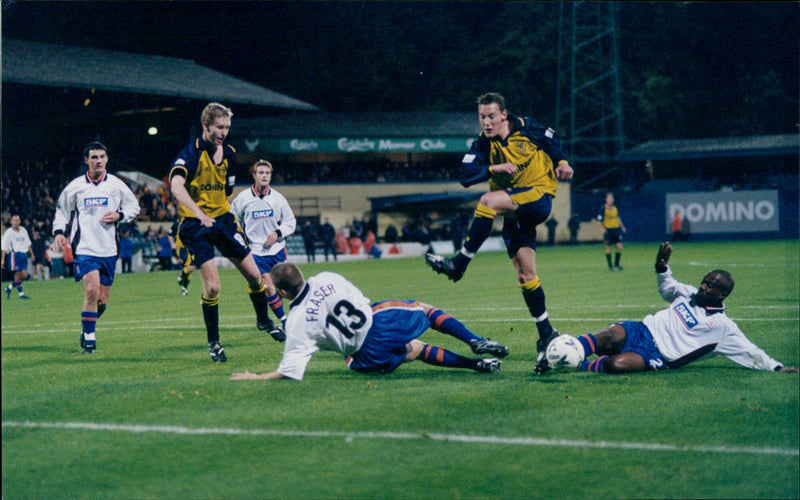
(564, 350)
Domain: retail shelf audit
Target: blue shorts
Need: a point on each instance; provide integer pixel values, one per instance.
(224, 234)
(84, 264)
(519, 227)
(267, 262)
(395, 323)
(638, 339)
(18, 262)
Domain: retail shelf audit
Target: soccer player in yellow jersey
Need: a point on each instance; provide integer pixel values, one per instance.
(610, 223)
(523, 163)
(201, 179)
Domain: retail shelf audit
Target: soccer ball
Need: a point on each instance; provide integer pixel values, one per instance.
(564, 350)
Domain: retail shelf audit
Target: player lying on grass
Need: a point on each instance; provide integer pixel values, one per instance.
(694, 326)
(328, 313)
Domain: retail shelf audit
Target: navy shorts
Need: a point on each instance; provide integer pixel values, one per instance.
(84, 264)
(267, 262)
(613, 235)
(18, 262)
(395, 323)
(638, 339)
(519, 227)
(224, 234)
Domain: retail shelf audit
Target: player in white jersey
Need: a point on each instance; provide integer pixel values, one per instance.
(328, 313)
(694, 326)
(267, 219)
(94, 205)
(17, 245)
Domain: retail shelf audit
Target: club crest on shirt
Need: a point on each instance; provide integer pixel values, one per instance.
(685, 315)
(263, 214)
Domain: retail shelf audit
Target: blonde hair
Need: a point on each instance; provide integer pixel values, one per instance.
(214, 110)
(261, 163)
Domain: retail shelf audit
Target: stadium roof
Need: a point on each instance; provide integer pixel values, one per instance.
(35, 63)
(723, 147)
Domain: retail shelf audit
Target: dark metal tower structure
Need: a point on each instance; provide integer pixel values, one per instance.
(589, 105)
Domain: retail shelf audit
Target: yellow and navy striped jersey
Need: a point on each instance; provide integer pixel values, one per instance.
(609, 217)
(208, 184)
(534, 149)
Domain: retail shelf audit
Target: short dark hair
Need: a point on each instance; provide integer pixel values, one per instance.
(492, 97)
(93, 145)
(288, 277)
(725, 282)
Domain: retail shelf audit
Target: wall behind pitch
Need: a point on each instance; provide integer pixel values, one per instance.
(646, 216)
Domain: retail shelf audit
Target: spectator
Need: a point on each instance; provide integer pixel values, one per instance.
(390, 236)
(677, 227)
(551, 224)
(126, 251)
(327, 235)
(39, 247)
(574, 224)
(309, 234)
(165, 247)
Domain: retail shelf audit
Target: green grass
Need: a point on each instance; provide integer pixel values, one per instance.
(714, 429)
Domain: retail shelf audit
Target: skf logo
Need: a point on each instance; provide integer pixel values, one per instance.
(95, 202)
(263, 214)
(685, 315)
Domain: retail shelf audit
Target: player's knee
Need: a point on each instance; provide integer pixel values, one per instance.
(624, 363)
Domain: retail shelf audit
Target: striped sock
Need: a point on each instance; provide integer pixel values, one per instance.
(589, 343)
(88, 322)
(594, 365)
(276, 304)
(439, 356)
(443, 322)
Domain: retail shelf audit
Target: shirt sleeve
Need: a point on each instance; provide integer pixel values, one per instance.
(64, 209)
(739, 349)
(670, 289)
(130, 205)
(288, 222)
(474, 166)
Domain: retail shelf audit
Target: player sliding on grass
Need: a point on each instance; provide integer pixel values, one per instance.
(693, 326)
(328, 313)
(523, 163)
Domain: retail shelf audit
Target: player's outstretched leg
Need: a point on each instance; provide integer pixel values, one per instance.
(445, 323)
(439, 356)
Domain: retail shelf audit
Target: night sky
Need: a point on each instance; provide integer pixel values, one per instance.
(387, 56)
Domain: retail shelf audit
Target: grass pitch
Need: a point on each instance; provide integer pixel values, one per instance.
(150, 416)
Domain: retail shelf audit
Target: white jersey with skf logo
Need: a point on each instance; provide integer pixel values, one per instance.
(16, 241)
(687, 332)
(89, 201)
(330, 314)
(262, 215)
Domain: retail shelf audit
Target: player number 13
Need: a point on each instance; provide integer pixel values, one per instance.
(355, 318)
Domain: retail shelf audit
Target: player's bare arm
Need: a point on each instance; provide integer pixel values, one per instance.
(178, 189)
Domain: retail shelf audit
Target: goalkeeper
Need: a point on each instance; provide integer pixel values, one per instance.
(694, 326)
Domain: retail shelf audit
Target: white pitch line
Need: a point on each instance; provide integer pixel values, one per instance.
(456, 438)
